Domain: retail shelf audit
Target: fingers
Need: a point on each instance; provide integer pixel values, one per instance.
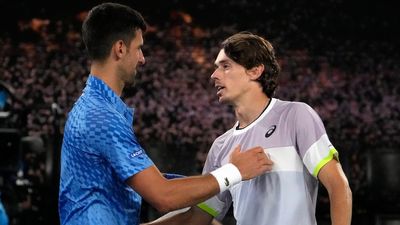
(235, 152)
(261, 155)
(256, 149)
(265, 159)
(265, 168)
(237, 149)
(252, 162)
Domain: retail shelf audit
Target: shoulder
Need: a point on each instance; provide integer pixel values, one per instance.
(303, 111)
(218, 144)
(302, 117)
(216, 152)
(219, 141)
(291, 105)
(292, 109)
(93, 111)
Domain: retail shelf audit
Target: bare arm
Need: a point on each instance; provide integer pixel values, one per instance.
(193, 216)
(167, 195)
(335, 181)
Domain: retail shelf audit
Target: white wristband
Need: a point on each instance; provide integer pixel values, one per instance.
(227, 176)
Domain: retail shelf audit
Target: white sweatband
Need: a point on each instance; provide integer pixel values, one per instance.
(227, 176)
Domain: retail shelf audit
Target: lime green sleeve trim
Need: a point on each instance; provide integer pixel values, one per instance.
(208, 209)
(332, 153)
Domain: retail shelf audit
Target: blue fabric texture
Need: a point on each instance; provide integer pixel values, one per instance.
(99, 152)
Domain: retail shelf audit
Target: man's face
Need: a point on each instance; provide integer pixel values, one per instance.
(229, 78)
(134, 57)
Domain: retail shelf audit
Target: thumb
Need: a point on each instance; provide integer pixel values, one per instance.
(236, 151)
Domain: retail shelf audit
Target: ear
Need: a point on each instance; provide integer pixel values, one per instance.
(255, 72)
(118, 49)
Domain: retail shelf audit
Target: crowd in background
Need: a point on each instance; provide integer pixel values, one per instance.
(353, 84)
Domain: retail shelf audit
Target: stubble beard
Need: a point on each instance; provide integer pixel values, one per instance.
(131, 80)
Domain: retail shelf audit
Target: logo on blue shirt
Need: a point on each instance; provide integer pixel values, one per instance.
(134, 154)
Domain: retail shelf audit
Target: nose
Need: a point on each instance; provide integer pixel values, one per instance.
(214, 75)
(142, 60)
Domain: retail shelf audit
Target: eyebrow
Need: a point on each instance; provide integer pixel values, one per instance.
(222, 62)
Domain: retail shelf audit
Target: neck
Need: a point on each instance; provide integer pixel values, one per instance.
(248, 111)
(107, 73)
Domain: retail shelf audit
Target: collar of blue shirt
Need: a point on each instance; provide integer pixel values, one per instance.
(99, 86)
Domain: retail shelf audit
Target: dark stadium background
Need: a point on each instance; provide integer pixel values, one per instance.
(341, 57)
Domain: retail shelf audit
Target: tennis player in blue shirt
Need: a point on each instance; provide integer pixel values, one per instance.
(104, 170)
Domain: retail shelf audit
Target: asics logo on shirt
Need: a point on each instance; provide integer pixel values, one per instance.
(270, 131)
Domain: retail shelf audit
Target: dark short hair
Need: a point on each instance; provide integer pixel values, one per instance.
(250, 50)
(107, 23)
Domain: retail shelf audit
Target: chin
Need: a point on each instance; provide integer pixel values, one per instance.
(222, 100)
(130, 83)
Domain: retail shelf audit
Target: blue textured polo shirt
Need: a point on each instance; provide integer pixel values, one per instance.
(99, 152)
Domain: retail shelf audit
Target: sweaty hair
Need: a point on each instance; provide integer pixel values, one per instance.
(250, 50)
(108, 23)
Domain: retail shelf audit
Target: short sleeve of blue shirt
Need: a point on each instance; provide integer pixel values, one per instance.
(113, 137)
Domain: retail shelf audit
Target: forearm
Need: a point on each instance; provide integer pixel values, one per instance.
(184, 192)
(167, 195)
(341, 206)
